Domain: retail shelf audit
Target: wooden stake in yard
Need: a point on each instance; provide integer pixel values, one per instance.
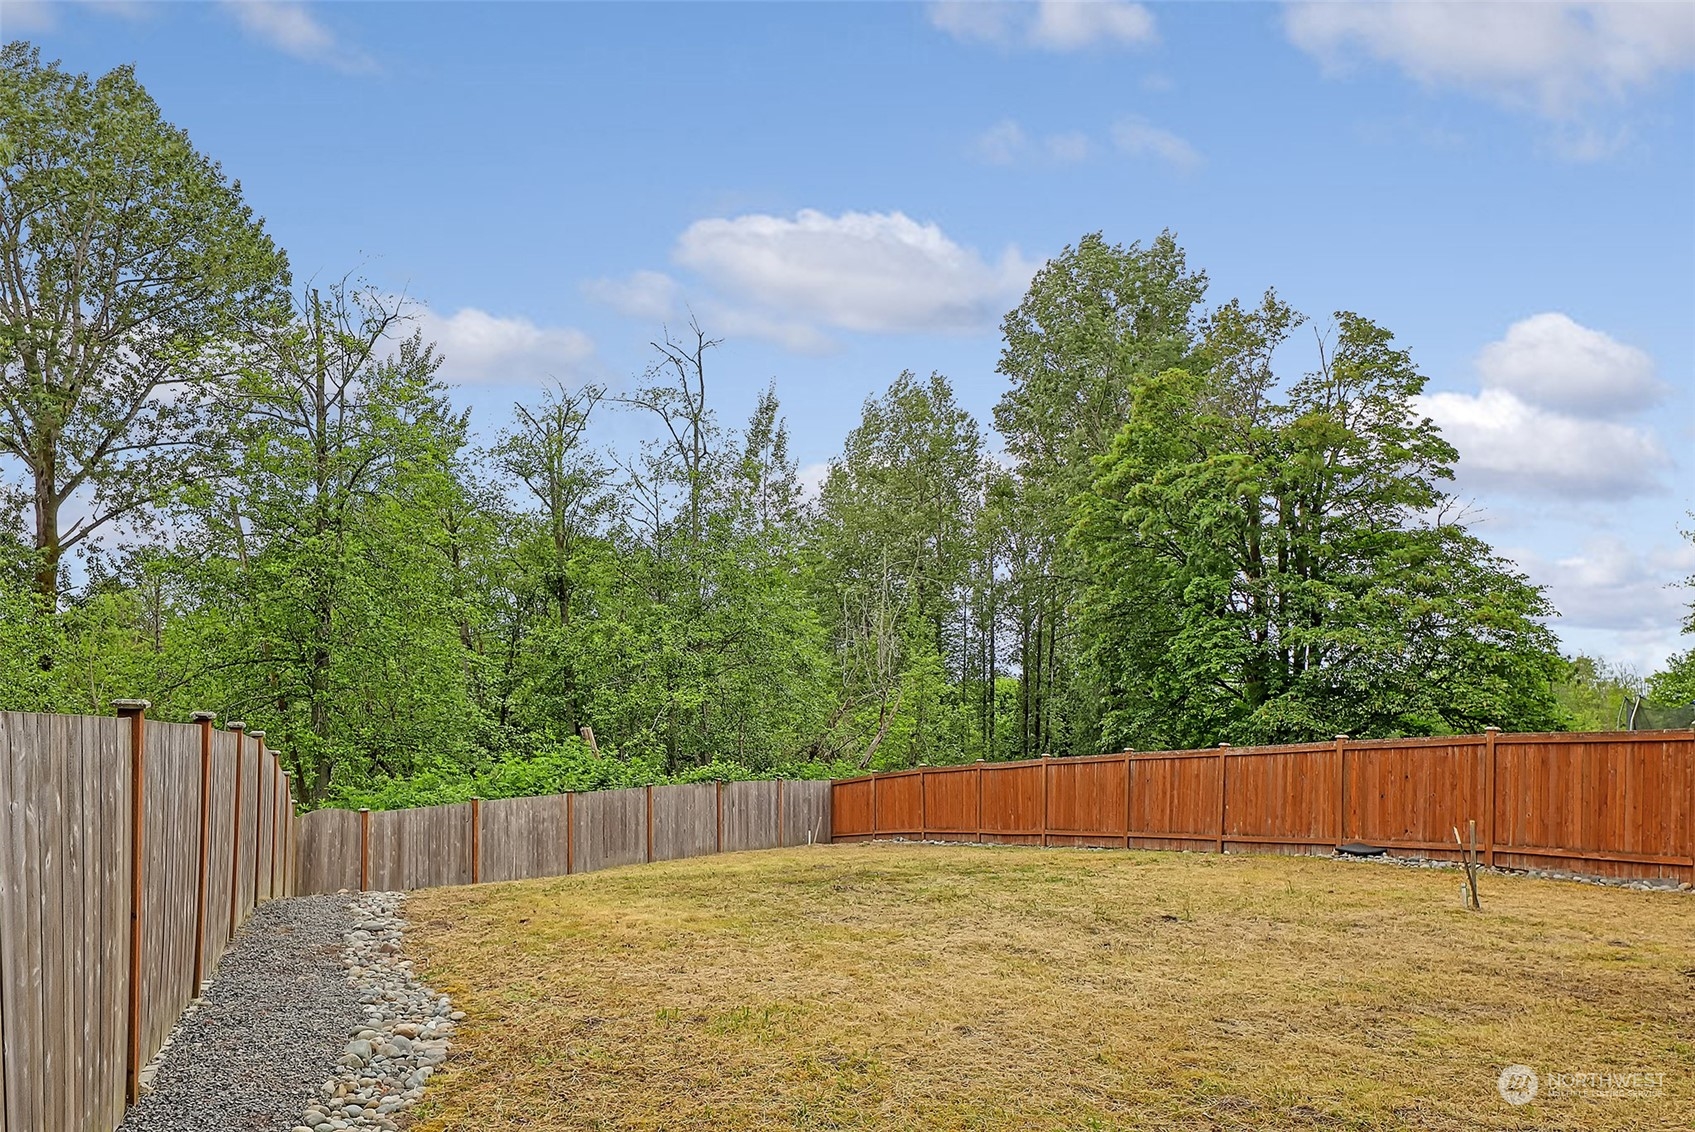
(1469, 861)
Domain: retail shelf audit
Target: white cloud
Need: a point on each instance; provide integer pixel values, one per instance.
(811, 478)
(794, 335)
(878, 272)
(1612, 584)
(1552, 417)
(1552, 361)
(1006, 143)
(650, 295)
(1067, 25)
(1508, 444)
(1002, 143)
(39, 15)
(1052, 25)
(1141, 138)
(1070, 147)
(25, 15)
(1553, 58)
(293, 30)
(483, 349)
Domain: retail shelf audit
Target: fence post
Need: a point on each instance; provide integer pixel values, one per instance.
(276, 820)
(1223, 793)
(649, 801)
(720, 786)
(1490, 735)
(235, 826)
(1127, 806)
(364, 849)
(258, 812)
(288, 843)
(476, 840)
(204, 719)
(979, 777)
(873, 805)
(779, 813)
(923, 804)
(279, 795)
(136, 712)
(570, 832)
(1341, 790)
(1045, 766)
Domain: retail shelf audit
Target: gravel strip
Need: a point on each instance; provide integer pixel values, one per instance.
(253, 1053)
(404, 1036)
(1653, 884)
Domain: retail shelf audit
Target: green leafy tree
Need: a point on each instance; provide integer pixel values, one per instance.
(1674, 685)
(128, 267)
(895, 542)
(706, 646)
(341, 629)
(1271, 562)
(1095, 319)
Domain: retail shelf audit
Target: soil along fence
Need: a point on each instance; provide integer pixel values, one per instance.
(130, 851)
(1616, 804)
(523, 838)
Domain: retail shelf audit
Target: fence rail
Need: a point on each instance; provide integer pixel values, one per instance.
(556, 835)
(1616, 804)
(130, 852)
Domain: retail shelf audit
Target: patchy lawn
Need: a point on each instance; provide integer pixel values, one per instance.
(989, 988)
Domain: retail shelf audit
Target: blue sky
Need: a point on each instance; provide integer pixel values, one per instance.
(843, 191)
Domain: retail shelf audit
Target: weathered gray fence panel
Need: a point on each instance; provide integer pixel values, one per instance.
(685, 821)
(244, 875)
(611, 829)
(750, 815)
(64, 921)
(329, 851)
(441, 846)
(266, 800)
(806, 812)
(170, 877)
(220, 847)
(523, 838)
(422, 848)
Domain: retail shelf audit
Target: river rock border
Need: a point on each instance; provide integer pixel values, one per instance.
(404, 1038)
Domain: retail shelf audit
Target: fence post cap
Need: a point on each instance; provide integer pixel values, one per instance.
(1342, 735)
(364, 809)
(257, 734)
(1491, 727)
(204, 716)
(235, 725)
(1223, 746)
(122, 706)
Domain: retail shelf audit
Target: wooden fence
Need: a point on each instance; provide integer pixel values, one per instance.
(130, 851)
(521, 838)
(1617, 804)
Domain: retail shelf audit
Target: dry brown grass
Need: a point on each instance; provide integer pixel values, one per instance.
(923, 987)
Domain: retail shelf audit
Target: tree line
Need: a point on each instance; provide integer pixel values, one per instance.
(1186, 523)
